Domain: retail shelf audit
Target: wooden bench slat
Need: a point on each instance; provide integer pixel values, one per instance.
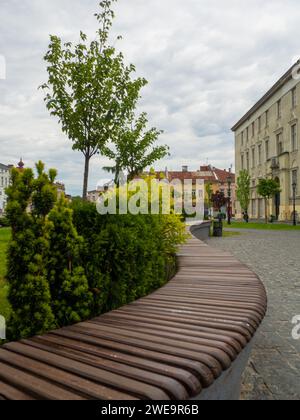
(61, 378)
(130, 386)
(168, 345)
(78, 348)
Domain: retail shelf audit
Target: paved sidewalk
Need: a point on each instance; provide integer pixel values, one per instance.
(274, 369)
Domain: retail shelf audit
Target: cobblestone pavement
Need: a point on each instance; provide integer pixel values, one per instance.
(274, 369)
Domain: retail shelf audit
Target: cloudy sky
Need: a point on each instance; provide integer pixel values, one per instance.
(207, 62)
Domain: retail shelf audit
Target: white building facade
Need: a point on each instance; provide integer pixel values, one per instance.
(4, 183)
(267, 146)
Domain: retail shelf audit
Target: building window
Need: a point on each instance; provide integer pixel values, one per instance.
(242, 162)
(294, 98)
(242, 138)
(247, 134)
(267, 150)
(294, 137)
(279, 144)
(247, 163)
(279, 109)
(259, 154)
(259, 124)
(253, 158)
(253, 129)
(267, 118)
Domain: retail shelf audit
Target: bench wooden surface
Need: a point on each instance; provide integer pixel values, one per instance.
(169, 345)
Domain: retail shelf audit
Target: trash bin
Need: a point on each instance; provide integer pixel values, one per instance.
(218, 228)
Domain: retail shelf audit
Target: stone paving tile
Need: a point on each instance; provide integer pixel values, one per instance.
(273, 372)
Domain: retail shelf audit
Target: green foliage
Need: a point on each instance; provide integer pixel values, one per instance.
(243, 190)
(71, 298)
(4, 222)
(29, 292)
(208, 195)
(68, 264)
(135, 147)
(126, 256)
(47, 286)
(5, 235)
(268, 188)
(90, 89)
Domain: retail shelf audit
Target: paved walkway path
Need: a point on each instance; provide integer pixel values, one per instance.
(274, 369)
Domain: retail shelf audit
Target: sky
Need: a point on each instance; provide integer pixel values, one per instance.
(207, 63)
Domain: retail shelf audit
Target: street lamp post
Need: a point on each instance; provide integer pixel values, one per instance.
(229, 182)
(294, 185)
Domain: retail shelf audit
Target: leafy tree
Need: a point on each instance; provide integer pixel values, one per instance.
(268, 188)
(243, 190)
(219, 200)
(90, 89)
(208, 195)
(135, 147)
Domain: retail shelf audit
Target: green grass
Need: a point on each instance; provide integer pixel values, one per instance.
(4, 238)
(261, 226)
(227, 234)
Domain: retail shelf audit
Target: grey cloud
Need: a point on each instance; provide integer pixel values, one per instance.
(207, 63)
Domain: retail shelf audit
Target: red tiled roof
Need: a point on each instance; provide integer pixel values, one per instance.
(208, 174)
(223, 175)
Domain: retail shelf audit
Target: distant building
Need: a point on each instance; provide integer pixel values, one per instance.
(92, 196)
(61, 189)
(217, 178)
(267, 146)
(4, 183)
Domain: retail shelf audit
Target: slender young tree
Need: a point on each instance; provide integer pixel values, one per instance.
(208, 195)
(268, 188)
(243, 190)
(90, 89)
(135, 147)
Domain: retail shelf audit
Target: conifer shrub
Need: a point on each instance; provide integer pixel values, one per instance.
(47, 285)
(126, 256)
(71, 298)
(67, 263)
(29, 292)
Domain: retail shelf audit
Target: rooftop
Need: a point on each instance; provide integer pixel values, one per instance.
(207, 173)
(4, 167)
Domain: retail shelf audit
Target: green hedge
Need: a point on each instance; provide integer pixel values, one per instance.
(126, 256)
(68, 263)
(4, 222)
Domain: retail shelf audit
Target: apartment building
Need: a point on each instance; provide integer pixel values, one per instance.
(216, 178)
(267, 145)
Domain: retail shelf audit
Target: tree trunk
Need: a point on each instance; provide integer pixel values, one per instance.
(266, 209)
(86, 177)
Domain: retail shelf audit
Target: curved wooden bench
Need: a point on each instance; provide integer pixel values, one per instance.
(172, 344)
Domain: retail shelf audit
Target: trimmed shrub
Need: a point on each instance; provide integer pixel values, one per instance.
(29, 292)
(47, 285)
(71, 298)
(4, 222)
(68, 263)
(126, 256)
